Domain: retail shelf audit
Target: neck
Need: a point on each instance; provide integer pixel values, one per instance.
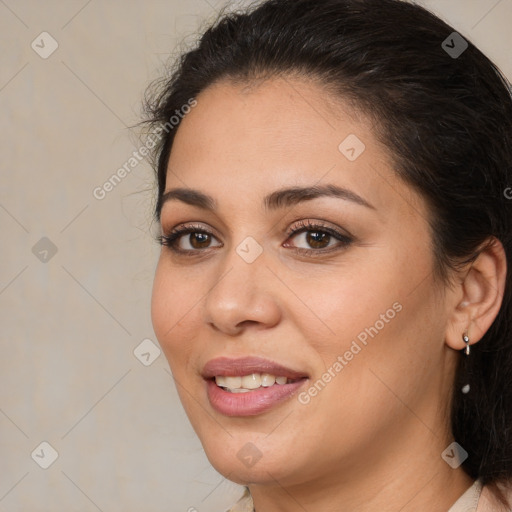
(404, 475)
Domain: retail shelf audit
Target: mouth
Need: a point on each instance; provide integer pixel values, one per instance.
(249, 386)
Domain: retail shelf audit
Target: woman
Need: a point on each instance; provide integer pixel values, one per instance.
(332, 293)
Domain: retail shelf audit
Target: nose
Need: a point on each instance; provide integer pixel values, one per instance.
(243, 295)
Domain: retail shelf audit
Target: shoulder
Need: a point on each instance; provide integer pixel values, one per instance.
(486, 503)
(489, 503)
(244, 504)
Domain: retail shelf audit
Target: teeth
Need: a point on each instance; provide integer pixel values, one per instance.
(267, 380)
(248, 382)
(233, 382)
(252, 381)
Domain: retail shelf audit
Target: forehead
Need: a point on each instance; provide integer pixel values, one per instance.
(251, 138)
(281, 112)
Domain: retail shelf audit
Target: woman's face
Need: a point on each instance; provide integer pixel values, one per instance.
(312, 255)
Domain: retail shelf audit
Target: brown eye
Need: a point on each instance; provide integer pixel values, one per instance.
(313, 238)
(318, 239)
(199, 240)
(189, 240)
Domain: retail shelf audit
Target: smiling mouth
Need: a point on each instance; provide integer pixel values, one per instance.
(248, 386)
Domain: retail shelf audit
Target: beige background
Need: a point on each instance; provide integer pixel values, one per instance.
(69, 325)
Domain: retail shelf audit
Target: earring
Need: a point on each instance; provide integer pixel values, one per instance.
(466, 341)
(465, 337)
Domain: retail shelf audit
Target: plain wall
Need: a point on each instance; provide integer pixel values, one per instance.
(69, 324)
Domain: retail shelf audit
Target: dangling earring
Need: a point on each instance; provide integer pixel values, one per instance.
(465, 337)
(466, 341)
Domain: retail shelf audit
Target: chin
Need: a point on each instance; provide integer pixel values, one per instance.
(243, 463)
(261, 473)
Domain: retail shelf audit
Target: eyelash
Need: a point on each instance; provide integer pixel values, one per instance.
(171, 240)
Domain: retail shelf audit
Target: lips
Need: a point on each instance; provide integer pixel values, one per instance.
(254, 401)
(225, 366)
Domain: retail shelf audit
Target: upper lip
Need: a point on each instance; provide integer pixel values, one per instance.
(225, 366)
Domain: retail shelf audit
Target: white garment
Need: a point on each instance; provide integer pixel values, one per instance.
(468, 502)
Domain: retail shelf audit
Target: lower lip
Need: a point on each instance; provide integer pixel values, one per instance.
(251, 403)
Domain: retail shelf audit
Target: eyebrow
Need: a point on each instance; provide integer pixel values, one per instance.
(278, 199)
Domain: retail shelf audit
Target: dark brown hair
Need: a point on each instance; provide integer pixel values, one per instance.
(446, 120)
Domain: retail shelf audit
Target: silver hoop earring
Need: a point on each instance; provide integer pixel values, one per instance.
(465, 337)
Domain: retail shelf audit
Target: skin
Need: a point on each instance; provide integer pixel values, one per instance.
(372, 439)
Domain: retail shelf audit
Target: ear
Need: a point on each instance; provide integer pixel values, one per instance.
(478, 296)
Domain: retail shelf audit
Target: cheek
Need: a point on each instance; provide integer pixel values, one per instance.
(374, 316)
(385, 353)
(338, 308)
(172, 309)
(162, 311)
